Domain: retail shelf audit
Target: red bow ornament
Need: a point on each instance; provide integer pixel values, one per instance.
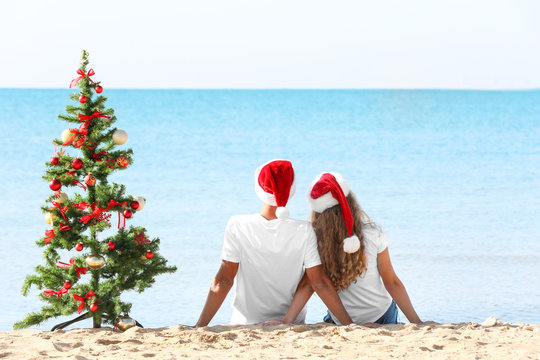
(60, 292)
(50, 235)
(81, 73)
(79, 270)
(62, 209)
(82, 205)
(82, 299)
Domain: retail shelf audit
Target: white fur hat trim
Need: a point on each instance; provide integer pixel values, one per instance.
(265, 197)
(327, 200)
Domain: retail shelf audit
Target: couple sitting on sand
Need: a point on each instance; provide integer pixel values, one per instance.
(279, 262)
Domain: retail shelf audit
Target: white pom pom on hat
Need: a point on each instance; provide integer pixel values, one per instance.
(351, 244)
(275, 184)
(282, 212)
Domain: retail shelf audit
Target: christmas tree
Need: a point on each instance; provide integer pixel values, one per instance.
(82, 271)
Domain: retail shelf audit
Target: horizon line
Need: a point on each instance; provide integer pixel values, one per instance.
(287, 88)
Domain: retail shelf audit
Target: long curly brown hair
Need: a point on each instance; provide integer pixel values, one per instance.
(342, 268)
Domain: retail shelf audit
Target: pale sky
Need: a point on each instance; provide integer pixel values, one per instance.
(479, 44)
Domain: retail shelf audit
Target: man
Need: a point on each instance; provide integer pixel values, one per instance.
(267, 253)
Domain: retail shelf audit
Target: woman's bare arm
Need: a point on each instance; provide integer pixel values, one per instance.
(395, 287)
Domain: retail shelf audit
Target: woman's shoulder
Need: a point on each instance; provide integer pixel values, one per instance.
(371, 229)
(374, 234)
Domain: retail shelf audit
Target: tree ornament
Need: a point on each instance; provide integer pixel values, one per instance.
(149, 254)
(67, 285)
(62, 197)
(55, 184)
(77, 164)
(95, 261)
(50, 218)
(98, 89)
(79, 246)
(125, 322)
(93, 306)
(66, 135)
(111, 245)
(90, 179)
(82, 99)
(141, 202)
(120, 137)
(54, 160)
(122, 161)
(134, 205)
(128, 213)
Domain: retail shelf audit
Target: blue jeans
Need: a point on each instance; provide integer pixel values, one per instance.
(389, 317)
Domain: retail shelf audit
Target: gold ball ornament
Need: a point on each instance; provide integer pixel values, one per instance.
(122, 161)
(62, 197)
(120, 137)
(95, 261)
(141, 202)
(90, 179)
(50, 218)
(125, 322)
(66, 135)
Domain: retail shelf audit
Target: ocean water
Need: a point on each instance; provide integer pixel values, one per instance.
(452, 176)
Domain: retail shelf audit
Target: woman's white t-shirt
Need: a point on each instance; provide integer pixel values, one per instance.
(367, 299)
(272, 256)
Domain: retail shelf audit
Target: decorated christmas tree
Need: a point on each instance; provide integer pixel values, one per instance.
(82, 271)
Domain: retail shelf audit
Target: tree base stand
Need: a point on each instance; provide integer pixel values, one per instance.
(86, 315)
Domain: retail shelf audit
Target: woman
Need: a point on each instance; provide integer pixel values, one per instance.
(354, 255)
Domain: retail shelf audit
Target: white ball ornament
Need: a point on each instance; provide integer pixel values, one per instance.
(62, 197)
(141, 202)
(120, 137)
(66, 135)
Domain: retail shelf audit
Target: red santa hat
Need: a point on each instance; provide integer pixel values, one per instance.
(328, 190)
(275, 184)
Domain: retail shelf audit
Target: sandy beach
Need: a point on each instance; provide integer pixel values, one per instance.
(489, 340)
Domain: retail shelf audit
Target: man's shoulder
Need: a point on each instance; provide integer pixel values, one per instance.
(238, 221)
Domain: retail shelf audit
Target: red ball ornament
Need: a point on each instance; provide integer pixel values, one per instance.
(82, 99)
(111, 245)
(55, 185)
(67, 285)
(79, 246)
(90, 179)
(134, 205)
(77, 164)
(99, 89)
(93, 306)
(54, 160)
(122, 161)
(149, 254)
(128, 213)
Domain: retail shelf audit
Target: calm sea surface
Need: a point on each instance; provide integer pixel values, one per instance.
(453, 177)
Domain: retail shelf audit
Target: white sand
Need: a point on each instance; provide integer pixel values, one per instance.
(495, 340)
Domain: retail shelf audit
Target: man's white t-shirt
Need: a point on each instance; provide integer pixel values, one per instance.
(367, 299)
(272, 256)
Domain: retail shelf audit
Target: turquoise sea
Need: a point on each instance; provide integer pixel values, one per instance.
(452, 176)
